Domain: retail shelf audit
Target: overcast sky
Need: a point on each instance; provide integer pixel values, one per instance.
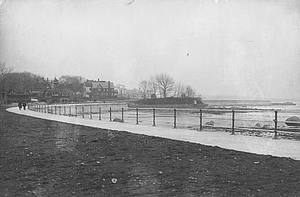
(242, 48)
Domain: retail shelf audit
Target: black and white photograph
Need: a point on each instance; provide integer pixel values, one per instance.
(184, 98)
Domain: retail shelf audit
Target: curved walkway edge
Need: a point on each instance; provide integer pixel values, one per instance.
(257, 145)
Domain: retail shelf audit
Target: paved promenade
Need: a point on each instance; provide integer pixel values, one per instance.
(258, 145)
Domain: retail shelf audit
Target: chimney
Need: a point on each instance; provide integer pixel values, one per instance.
(109, 93)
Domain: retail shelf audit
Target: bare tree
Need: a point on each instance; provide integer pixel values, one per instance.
(72, 83)
(179, 90)
(165, 84)
(189, 91)
(144, 86)
(152, 86)
(24, 81)
(121, 89)
(4, 74)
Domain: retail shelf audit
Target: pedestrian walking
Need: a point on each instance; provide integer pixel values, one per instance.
(24, 105)
(20, 105)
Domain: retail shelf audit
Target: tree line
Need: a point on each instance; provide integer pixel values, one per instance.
(165, 86)
(14, 82)
(161, 85)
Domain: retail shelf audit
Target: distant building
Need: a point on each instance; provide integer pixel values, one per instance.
(134, 94)
(56, 93)
(97, 90)
(48, 91)
(3, 98)
(51, 92)
(14, 97)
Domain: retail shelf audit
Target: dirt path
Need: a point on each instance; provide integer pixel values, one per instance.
(47, 158)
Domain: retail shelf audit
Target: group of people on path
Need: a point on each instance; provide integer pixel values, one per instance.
(20, 104)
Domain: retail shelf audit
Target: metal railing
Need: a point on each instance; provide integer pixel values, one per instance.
(198, 119)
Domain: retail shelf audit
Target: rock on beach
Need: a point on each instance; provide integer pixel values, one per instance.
(290, 120)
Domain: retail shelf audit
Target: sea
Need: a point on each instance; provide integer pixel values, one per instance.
(256, 116)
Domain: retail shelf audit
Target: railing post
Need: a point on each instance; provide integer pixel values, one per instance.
(76, 111)
(70, 111)
(64, 110)
(153, 117)
(174, 119)
(232, 129)
(55, 109)
(91, 113)
(110, 114)
(122, 114)
(275, 121)
(99, 113)
(82, 111)
(51, 108)
(201, 127)
(137, 116)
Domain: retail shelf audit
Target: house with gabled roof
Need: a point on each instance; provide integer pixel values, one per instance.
(97, 90)
(53, 92)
